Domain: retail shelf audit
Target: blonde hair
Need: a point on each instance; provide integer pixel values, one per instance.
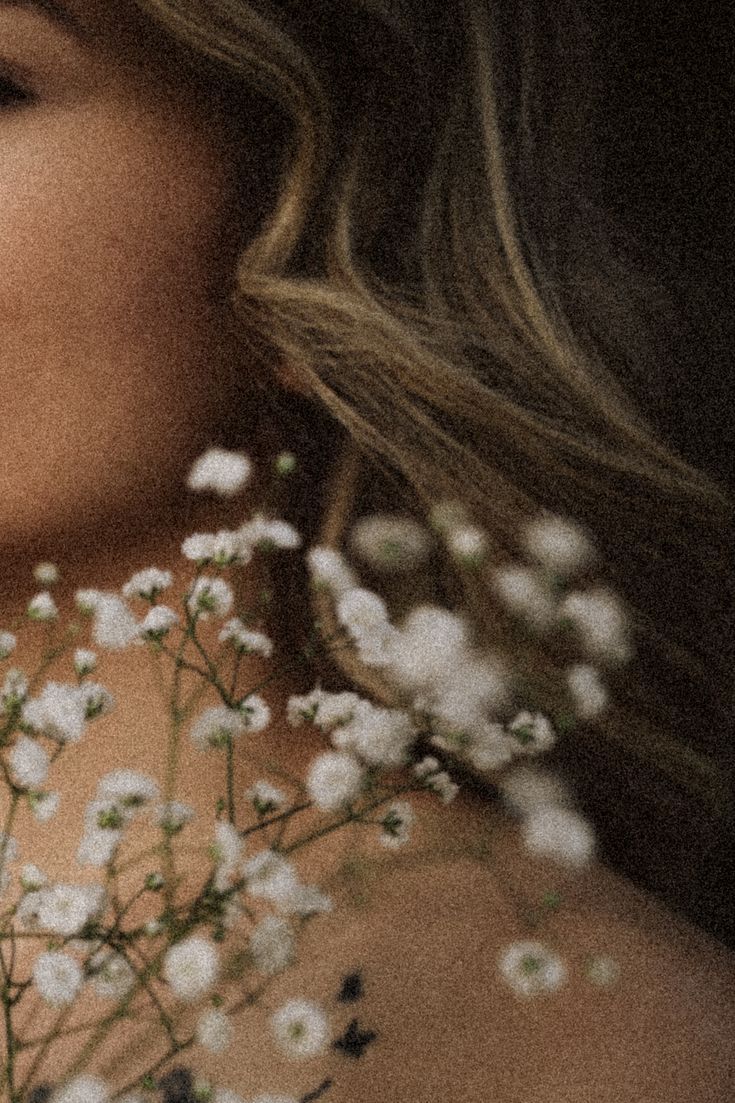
(463, 321)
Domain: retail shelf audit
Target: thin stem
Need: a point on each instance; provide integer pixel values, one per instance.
(9, 1073)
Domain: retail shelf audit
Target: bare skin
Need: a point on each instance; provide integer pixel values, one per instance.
(117, 249)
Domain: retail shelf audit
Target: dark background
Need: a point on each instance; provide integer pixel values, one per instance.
(665, 109)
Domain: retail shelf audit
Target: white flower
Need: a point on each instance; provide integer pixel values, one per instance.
(8, 643)
(427, 643)
(396, 821)
(191, 967)
(365, 616)
(214, 1030)
(97, 847)
(96, 699)
(301, 1029)
(335, 779)
(266, 533)
(390, 542)
(223, 549)
(83, 1089)
(59, 712)
(599, 618)
(216, 726)
(271, 876)
(526, 788)
(467, 544)
(530, 968)
(442, 784)
(533, 732)
(199, 547)
(560, 834)
(65, 909)
(58, 977)
(84, 661)
(558, 544)
(526, 593)
(328, 568)
(130, 788)
(588, 692)
(265, 797)
(255, 712)
(47, 574)
(115, 627)
(32, 878)
(29, 762)
(491, 748)
(325, 710)
(148, 583)
(42, 607)
(245, 641)
(158, 621)
(15, 689)
(272, 945)
(220, 470)
(210, 596)
(86, 600)
(379, 736)
(362, 612)
(305, 900)
(112, 975)
(44, 806)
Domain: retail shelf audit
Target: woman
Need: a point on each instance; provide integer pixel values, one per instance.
(314, 226)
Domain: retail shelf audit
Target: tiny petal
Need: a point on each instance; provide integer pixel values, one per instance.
(58, 977)
(29, 763)
(85, 661)
(530, 968)
(191, 967)
(328, 568)
(210, 596)
(390, 542)
(558, 544)
(561, 834)
(147, 584)
(588, 692)
(335, 779)
(301, 1029)
(220, 470)
(42, 607)
(115, 626)
(45, 573)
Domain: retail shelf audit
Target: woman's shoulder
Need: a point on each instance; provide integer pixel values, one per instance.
(415, 970)
(633, 1002)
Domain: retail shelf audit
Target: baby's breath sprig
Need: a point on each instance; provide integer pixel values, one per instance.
(458, 699)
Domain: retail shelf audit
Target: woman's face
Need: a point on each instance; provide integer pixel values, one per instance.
(117, 249)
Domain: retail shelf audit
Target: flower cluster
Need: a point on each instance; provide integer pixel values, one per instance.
(456, 698)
